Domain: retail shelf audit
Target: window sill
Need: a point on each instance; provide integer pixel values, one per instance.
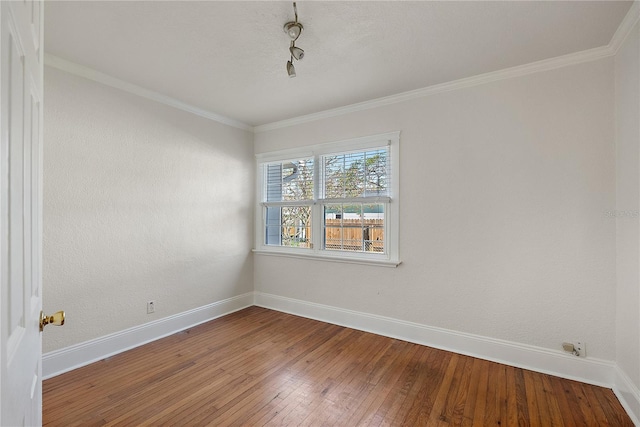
(345, 260)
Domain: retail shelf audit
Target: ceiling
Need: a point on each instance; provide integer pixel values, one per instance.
(230, 57)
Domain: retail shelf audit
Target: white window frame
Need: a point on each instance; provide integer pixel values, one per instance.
(391, 257)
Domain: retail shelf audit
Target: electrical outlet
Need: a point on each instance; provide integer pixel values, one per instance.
(577, 348)
(151, 307)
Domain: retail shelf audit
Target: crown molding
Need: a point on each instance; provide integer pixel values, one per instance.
(91, 74)
(625, 27)
(493, 76)
(623, 31)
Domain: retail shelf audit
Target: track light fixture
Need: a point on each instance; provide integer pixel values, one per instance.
(296, 52)
(293, 30)
(291, 70)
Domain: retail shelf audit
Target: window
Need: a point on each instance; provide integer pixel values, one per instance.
(336, 200)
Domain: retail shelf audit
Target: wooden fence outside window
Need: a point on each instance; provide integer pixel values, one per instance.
(344, 234)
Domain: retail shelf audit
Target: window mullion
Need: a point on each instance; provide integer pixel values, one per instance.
(317, 208)
(364, 244)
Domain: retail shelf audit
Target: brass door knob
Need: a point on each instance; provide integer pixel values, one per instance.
(56, 319)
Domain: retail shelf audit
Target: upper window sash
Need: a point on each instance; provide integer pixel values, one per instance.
(362, 174)
(291, 180)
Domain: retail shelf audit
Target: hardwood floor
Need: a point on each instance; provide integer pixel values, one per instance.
(261, 367)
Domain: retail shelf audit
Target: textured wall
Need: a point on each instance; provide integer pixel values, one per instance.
(504, 194)
(141, 202)
(628, 205)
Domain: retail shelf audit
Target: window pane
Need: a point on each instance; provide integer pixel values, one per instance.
(361, 174)
(289, 181)
(376, 173)
(288, 226)
(354, 227)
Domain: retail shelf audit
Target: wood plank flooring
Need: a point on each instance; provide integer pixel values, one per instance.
(261, 367)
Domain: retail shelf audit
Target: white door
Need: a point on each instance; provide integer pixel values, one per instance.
(21, 90)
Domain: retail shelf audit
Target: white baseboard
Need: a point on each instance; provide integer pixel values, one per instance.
(628, 395)
(588, 370)
(75, 356)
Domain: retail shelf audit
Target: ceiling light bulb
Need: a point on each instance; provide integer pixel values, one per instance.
(291, 70)
(293, 29)
(296, 52)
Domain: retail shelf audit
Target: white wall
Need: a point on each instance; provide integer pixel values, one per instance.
(627, 77)
(141, 202)
(505, 190)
